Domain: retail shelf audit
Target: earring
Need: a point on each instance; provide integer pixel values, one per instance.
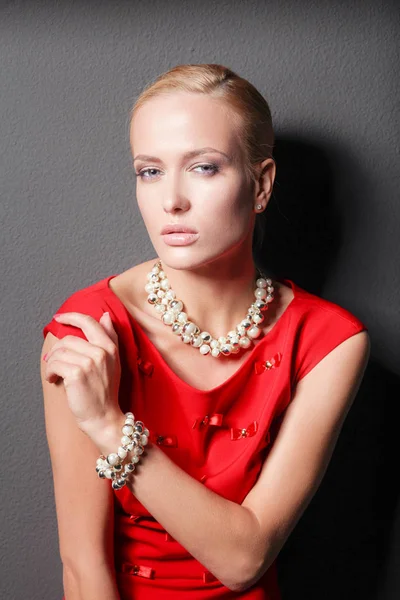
(259, 206)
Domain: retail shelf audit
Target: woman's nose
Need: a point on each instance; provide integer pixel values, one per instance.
(172, 206)
(175, 199)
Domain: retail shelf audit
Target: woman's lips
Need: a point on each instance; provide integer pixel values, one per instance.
(179, 238)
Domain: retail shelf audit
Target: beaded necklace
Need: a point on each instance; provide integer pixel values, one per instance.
(163, 298)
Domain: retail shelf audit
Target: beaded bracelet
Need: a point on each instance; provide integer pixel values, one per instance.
(135, 437)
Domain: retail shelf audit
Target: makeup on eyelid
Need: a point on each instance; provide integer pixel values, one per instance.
(213, 169)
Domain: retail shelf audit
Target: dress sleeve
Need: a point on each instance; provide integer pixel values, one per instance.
(89, 304)
(321, 332)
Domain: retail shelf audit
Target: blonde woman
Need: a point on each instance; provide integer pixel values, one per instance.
(238, 382)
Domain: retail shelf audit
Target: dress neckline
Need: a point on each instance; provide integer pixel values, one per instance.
(250, 357)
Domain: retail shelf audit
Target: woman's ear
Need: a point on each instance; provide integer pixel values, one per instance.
(265, 183)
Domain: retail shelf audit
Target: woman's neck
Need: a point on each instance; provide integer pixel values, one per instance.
(217, 295)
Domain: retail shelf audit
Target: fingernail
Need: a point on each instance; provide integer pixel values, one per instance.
(56, 315)
(106, 313)
(45, 356)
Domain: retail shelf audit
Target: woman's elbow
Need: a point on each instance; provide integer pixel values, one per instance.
(246, 572)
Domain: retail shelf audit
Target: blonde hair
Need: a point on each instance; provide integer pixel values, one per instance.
(253, 113)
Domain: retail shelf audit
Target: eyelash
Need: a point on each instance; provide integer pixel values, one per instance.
(214, 169)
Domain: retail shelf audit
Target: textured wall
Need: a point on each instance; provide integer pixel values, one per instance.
(70, 72)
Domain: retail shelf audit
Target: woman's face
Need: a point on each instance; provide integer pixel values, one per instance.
(207, 191)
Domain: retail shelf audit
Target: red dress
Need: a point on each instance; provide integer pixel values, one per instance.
(221, 436)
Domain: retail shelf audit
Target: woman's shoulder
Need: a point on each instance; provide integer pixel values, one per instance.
(319, 327)
(111, 293)
(315, 309)
(128, 285)
(86, 300)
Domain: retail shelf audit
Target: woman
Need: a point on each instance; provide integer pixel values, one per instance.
(242, 381)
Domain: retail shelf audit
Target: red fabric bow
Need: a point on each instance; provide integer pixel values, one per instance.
(237, 434)
(215, 419)
(134, 517)
(261, 366)
(145, 365)
(139, 570)
(164, 440)
(208, 576)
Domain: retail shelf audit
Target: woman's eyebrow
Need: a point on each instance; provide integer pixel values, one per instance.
(189, 154)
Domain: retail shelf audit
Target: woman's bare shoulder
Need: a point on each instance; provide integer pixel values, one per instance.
(129, 284)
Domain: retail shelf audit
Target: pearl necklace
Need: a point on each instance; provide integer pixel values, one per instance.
(170, 308)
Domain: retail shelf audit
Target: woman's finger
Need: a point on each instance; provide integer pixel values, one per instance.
(67, 356)
(79, 345)
(107, 323)
(62, 368)
(76, 380)
(93, 330)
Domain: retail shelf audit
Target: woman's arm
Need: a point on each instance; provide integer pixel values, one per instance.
(84, 505)
(238, 543)
(92, 584)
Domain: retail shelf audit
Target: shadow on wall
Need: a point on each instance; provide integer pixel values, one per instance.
(343, 546)
(301, 228)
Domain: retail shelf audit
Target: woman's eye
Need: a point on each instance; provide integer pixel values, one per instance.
(210, 169)
(141, 173)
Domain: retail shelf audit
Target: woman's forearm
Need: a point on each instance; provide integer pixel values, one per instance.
(89, 584)
(219, 533)
(222, 535)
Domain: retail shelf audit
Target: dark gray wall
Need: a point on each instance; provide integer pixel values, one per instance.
(70, 72)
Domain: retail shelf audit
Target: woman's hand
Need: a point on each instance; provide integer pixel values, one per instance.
(91, 370)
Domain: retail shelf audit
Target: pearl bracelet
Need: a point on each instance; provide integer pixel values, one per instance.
(135, 437)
